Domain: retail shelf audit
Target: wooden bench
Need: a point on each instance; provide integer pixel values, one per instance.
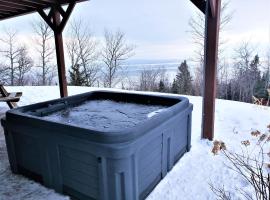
(9, 98)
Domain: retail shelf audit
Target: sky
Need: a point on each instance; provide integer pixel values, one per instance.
(159, 29)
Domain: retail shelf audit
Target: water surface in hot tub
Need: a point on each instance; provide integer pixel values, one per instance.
(106, 114)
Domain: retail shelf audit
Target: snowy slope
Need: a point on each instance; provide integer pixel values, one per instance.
(190, 177)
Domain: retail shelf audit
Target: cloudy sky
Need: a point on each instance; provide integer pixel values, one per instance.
(159, 28)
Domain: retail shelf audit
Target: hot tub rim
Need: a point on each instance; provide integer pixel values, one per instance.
(106, 137)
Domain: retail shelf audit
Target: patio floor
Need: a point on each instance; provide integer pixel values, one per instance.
(15, 187)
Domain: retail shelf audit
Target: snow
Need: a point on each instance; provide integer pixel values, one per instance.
(190, 177)
(103, 115)
(152, 114)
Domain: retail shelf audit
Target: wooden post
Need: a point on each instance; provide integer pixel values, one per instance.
(60, 55)
(212, 21)
(53, 19)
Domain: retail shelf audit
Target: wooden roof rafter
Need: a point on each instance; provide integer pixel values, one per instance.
(14, 8)
(51, 21)
(15, 4)
(201, 5)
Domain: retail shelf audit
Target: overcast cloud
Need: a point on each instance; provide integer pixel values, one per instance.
(159, 28)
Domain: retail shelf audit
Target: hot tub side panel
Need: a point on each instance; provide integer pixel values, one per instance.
(158, 153)
(90, 170)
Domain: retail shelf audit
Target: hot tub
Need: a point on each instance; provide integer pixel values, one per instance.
(111, 158)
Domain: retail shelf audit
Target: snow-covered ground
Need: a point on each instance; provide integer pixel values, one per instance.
(190, 177)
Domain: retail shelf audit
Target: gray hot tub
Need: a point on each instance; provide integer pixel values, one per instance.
(94, 160)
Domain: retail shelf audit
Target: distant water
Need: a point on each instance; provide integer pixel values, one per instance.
(133, 70)
(130, 71)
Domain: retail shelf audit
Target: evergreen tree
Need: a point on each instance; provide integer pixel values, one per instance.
(174, 88)
(161, 86)
(256, 82)
(76, 76)
(183, 79)
(261, 87)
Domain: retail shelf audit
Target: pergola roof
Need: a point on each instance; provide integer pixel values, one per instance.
(14, 8)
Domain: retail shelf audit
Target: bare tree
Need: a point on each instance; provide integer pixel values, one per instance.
(245, 76)
(44, 35)
(11, 52)
(267, 70)
(4, 74)
(25, 63)
(82, 51)
(114, 52)
(150, 79)
(197, 30)
(223, 84)
(198, 81)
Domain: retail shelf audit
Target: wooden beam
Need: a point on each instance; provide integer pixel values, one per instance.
(39, 3)
(5, 12)
(15, 8)
(66, 16)
(53, 19)
(59, 47)
(61, 10)
(200, 4)
(212, 6)
(210, 69)
(10, 9)
(19, 8)
(47, 18)
(25, 2)
(8, 5)
(49, 1)
(16, 4)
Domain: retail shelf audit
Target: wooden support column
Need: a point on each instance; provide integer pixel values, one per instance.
(212, 21)
(59, 48)
(57, 19)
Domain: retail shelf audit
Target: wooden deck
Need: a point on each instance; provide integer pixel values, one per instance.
(15, 187)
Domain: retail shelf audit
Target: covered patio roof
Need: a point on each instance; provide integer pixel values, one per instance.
(15, 8)
(57, 18)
